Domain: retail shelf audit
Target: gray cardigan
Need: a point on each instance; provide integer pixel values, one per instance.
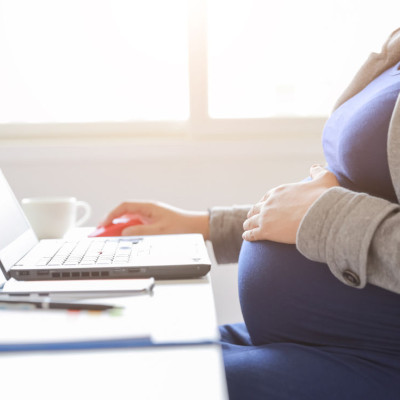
(356, 234)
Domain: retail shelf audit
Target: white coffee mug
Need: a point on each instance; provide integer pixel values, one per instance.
(52, 217)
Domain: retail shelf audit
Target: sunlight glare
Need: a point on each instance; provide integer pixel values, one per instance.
(93, 60)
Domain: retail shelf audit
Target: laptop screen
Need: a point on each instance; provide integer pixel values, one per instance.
(12, 220)
(16, 235)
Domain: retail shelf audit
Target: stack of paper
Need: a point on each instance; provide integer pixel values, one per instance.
(63, 329)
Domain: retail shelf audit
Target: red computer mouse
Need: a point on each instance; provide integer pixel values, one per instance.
(117, 225)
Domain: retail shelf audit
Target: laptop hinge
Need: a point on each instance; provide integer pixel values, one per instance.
(5, 273)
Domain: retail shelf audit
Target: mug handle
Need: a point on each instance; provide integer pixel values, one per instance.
(86, 208)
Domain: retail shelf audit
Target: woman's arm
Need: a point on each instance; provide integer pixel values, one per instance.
(357, 235)
(226, 229)
(223, 226)
(160, 218)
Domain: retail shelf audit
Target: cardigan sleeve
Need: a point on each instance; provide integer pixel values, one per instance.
(357, 235)
(226, 228)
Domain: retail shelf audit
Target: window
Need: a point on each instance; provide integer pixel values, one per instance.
(181, 66)
(93, 61)
(289, 58)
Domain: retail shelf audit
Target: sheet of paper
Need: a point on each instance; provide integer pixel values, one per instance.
(57, 326)
(96, 286)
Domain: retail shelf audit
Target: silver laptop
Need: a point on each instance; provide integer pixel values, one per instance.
(23, 257)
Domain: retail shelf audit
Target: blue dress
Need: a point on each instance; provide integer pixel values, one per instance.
(307, 335)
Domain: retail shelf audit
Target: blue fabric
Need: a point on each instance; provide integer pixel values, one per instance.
(282, 371)
(306, 334)
(355, 137)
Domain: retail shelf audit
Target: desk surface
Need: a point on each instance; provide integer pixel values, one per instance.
(180, 311)
(194, 372)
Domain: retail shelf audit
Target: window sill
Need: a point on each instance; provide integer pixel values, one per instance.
(210, 129)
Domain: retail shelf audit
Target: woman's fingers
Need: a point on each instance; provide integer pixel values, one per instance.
(139, 230)
(126, 208)
(317, 171)
(254, 210)
(251, 223)
(328, 178)
(252, 235)
(278, 214)
(117, 212)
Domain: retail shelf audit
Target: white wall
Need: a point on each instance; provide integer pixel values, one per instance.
(193, 174)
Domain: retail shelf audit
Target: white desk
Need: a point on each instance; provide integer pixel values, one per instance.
(194, 373)
(180, 310)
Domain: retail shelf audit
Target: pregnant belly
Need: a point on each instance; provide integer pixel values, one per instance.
(287, 298)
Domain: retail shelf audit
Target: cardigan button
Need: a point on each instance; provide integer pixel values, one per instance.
(351, 278)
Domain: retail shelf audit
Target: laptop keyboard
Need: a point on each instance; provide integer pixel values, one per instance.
(90, 252)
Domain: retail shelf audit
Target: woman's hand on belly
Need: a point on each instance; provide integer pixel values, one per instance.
(278, 214)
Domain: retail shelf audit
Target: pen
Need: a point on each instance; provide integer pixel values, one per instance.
(47, 305)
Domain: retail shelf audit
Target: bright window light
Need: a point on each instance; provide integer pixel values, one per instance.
(93, 60)
(181, 66)
(289, 58)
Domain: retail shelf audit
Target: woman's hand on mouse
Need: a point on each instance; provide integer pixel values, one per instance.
(278, 214)
(160, 218)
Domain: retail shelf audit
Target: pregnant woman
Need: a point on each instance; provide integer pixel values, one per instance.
(319, 267)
